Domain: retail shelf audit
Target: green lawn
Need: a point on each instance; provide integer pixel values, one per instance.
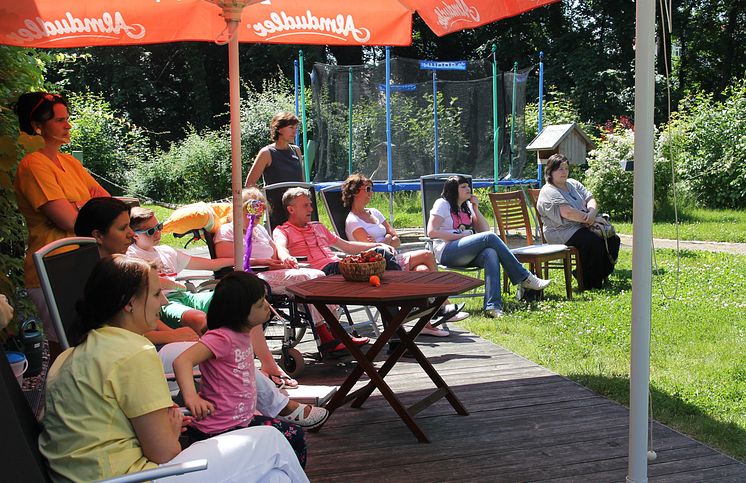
(698, 361)
(698, 224)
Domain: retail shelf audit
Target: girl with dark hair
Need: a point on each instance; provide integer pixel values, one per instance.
(228, 394)
(50, 187)
(280, 161)
(108, 408)
(108, 221)
(567, 210)
(462, 238)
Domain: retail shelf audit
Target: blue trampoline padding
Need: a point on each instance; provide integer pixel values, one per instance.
(414, 185)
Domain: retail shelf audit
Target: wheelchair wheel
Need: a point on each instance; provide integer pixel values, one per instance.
(280, 333)
(292, 362)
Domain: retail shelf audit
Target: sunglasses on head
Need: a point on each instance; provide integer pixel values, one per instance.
(150, 231)
(368, 189)
(44, 97)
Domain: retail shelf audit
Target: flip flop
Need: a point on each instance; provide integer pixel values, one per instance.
(283, 381)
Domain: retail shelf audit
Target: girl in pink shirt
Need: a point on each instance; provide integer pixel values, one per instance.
(227, 395)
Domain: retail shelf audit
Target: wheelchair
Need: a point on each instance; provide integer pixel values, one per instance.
(288, 324)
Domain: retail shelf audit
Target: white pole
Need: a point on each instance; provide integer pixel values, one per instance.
(642, 213)
(235, 104)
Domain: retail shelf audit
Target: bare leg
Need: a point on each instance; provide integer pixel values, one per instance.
(195, 319)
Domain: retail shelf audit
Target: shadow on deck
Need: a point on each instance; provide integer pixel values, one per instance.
(525, 424)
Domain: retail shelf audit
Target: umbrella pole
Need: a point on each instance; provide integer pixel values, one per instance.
(642, 216)
(236, 181)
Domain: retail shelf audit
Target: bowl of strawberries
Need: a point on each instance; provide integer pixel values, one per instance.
(360, 267)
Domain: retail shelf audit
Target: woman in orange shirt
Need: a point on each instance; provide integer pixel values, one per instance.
(50, 187)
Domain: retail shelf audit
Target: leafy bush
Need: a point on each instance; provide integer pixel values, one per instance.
(707, 139)
(611, 186)
(197, 168)
(22, 71)
(557, 109)
(111, 144)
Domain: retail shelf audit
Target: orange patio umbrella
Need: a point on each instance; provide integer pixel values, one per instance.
(81, 23)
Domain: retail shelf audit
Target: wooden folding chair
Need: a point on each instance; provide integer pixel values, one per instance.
(574, 255)
(511, 213)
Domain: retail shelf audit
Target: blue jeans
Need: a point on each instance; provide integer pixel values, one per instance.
(485, 250)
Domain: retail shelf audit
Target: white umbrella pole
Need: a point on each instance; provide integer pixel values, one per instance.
(235, 104)
(642, 241)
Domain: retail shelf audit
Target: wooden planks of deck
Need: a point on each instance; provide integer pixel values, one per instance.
(525, 424)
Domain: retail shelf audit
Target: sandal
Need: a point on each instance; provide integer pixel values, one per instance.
(316, 417)
(283, 381)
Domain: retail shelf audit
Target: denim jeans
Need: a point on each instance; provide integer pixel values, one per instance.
(488, 251)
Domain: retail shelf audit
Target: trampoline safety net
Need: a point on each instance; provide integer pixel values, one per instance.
(464, 121)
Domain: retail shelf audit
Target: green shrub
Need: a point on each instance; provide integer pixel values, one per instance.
(707, 140)
(111, 144)
(557, 109)
(611, 186)
(197, 168)
(22, 71)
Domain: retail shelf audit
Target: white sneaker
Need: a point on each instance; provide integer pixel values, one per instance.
(535, 283)
(459, 316)
(434, 332)
(316, 417)
(493, 313)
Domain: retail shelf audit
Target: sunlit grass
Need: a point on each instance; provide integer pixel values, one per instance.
(698, 361)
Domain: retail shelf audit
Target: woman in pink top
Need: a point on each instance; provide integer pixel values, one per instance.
(227, 396)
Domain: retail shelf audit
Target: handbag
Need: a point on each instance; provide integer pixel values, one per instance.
(605, 231)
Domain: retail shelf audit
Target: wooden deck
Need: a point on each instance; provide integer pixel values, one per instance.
(525, 424)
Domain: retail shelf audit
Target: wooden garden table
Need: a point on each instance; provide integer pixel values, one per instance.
(402, 296)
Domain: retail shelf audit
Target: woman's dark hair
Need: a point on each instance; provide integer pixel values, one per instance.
(553, 164)
(36, 107)
(279, 121)
(99, 214)
(114, 281)
(450, 194)
(232, 300)
(352, 185)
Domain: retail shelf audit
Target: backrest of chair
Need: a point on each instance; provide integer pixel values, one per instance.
(533, 193)
(277, 214)
(431, 187)
(332, 198)
(63, 277)
(19, 451)
(511, 214)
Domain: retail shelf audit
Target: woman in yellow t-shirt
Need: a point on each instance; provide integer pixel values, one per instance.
(50, 187)
(108, 408)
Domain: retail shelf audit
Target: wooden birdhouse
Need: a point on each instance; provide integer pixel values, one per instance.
(567, 139)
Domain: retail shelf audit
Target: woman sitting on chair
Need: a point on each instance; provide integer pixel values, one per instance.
(369, 225)
(567, 210)
(108, 221)
(462, 238)
(108, 408)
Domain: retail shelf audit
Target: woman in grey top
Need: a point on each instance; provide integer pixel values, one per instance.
(280, 161)
(567, 210)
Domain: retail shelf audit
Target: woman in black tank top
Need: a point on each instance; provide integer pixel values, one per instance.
(280, 161)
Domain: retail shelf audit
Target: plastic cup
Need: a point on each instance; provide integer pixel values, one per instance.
(18, 363)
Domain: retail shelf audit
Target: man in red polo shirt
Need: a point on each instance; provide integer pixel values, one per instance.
(300, 237)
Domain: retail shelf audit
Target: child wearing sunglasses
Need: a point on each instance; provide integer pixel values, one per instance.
(184, 308)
